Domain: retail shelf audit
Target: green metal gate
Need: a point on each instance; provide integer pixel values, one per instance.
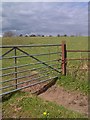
(24, 66)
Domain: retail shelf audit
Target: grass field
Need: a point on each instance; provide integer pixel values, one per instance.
(73, 43)
(75, 79)
(24, 105)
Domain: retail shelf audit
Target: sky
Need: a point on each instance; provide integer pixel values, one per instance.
(48, 18)
(45, 0)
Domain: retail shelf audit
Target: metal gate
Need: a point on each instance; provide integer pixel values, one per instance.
(24, 66)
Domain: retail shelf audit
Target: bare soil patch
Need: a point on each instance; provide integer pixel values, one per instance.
(34, 80)
(72, 100)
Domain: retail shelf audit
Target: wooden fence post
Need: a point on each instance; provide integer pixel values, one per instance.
(63, 58)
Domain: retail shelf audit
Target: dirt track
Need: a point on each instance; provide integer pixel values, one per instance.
(71, 100)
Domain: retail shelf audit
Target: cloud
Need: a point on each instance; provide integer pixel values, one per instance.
(45, 17)
(0, 18)
(45, 0)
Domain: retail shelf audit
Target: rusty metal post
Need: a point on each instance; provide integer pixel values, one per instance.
(63, 58)
(15, 65)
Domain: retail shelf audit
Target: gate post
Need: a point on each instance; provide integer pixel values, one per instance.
(15, 60)
(63, 58)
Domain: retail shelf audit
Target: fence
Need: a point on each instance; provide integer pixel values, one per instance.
(65, 58)
(40, 66)
(25, 66)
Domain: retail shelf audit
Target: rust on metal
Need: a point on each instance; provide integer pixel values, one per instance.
(63, 58)
(78, 59)
(78, 50)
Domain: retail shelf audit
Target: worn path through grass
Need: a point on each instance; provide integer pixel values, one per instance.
(25, 105)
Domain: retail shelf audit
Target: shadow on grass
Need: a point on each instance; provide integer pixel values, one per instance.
(46, 87)
(43, 89)
(8, 96)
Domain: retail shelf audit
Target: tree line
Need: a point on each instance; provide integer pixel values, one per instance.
(12, 34)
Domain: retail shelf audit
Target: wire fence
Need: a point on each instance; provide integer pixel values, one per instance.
(72, 56)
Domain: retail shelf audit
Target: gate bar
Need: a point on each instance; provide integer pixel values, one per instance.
(32, 55)
(28, 86)
(33, 45)
(38, 60)
(5, 87)
(24, 76)
(7, 52)
(29, 64)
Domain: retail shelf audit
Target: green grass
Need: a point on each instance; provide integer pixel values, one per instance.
(73, 84)
(32, 106)
(75, 43)
(80, 78)
(24, 105)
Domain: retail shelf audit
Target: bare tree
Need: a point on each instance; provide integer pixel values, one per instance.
(9, 34)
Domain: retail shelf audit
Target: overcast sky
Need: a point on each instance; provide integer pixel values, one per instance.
(45, 17)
